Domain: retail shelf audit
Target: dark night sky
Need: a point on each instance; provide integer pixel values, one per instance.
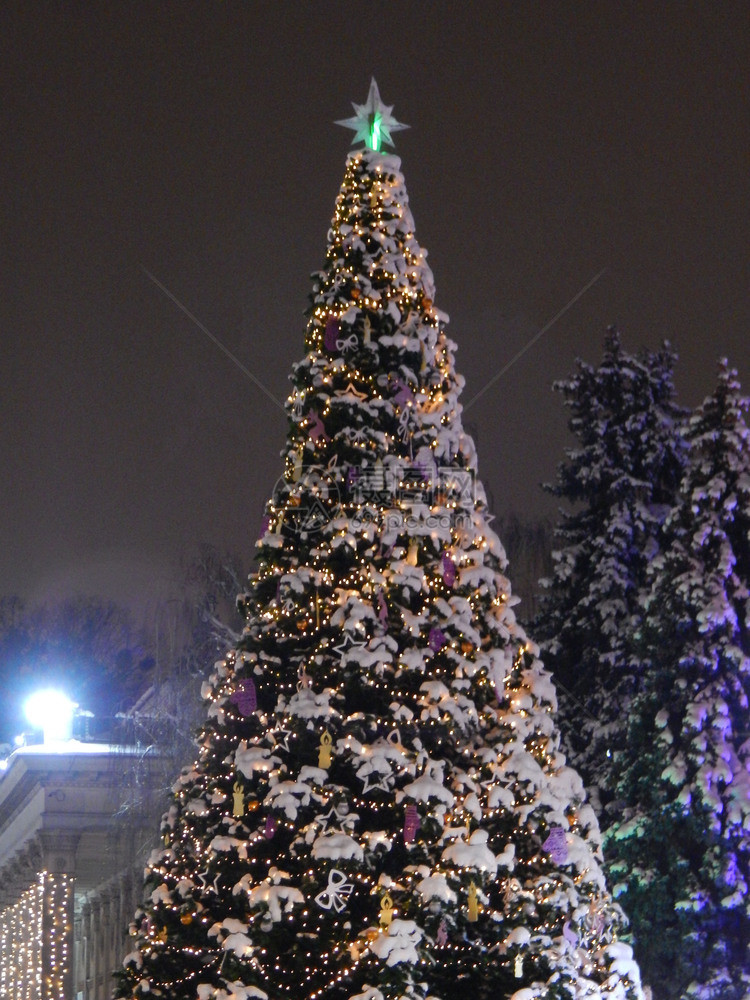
(548, 141)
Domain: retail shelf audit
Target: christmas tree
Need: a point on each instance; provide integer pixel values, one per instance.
(681, 848)
(378, 808)
(619, 481)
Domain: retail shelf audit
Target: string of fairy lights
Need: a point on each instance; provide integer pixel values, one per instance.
(35, 940)
(463, 877)
(308, 754)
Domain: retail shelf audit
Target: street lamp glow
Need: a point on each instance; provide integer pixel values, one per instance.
(52, 712)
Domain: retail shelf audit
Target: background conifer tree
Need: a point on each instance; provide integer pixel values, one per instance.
(681, 848)
(619, 481)
(378, 808)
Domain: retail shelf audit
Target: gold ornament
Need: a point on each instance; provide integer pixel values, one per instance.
(186, 918)
(324, 757)
(413, 553)
(238, 800)
(386, 910)
(473, 915)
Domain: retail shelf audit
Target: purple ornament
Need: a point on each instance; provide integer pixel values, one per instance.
(382, 607)
(570, 935)
(556, 845)
(246, 697)
(352, 475)
(270, 829)
(436, 639)
(265, 524)
(411, 823)
(332, 333)
(449, 570)
(442, 934)
(404, 394)
(317, 429)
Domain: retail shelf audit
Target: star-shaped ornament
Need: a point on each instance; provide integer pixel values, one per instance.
(351, 393)
(373, 122)
(336, 815)
(280, 738)
(204, 879)
(375, 779)
(349, 643)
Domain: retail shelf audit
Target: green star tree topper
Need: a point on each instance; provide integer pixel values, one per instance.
(378, 808)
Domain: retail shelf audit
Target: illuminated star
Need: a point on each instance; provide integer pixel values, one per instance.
(373, 121)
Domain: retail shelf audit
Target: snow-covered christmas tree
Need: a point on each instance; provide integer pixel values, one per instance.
(619, 481)
(378, 808)
(681, 849)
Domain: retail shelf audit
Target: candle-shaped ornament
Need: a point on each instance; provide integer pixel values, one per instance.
(238, 800)
(473, 914)
(386, 910)
(324, 756)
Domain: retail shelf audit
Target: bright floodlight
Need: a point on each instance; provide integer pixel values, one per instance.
(52, 712)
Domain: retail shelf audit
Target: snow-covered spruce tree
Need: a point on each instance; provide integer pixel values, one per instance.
(681, 849)
(619, 481)
(378, 808)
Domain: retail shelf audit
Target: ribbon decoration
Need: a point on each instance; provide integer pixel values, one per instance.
(348, 344)
(336, 893)
(403, 424)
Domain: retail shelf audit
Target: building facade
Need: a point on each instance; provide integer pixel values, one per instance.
(77, 822)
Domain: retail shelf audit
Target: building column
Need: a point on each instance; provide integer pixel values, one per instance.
(59, 852)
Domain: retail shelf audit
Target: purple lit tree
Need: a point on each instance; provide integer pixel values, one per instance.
(619, 481)
(378, 808)
(681, 850)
